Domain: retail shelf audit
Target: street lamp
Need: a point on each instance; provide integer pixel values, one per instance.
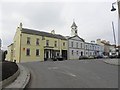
(113, 9)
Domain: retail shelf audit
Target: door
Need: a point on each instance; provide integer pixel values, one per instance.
(81, 53)
(47, 54)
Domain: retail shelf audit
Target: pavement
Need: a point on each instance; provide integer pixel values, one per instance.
(72, 74)
(22, 80)
(112, 61)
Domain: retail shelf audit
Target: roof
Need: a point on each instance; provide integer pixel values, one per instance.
(74, 25)
(10, 44)
(105, 43)
(76, 36)
(41, 33)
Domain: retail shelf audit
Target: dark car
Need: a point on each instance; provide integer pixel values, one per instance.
(98, 57)
(83, 57)
(58, 58)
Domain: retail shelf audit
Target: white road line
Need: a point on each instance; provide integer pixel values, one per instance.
(64, 72)
(52, 68)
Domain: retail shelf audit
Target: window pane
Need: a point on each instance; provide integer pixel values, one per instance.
(47, 42)
(55, 43)
(37, 52)
(28, 40)
(28, 52)
(37, 41)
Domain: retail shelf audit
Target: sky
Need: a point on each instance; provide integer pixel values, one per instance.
(93, 18)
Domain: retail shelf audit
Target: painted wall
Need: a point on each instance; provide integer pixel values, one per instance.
(77, 49)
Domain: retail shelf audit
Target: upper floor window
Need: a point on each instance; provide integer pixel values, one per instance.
(28, 40)
(55, 43)
(81, 45)
(93, 48)
(86, 46)
(28, 51)
(37, 52)
(63, 43)
(37, 41)
(77, 45)
(47, 42)
(71, 44)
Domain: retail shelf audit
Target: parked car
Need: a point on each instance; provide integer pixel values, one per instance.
(58, 58)
(105, 57)
(91, 57)
(83, 57)
(98, 56)
(113, 56)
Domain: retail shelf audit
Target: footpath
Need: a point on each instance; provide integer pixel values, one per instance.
(21, 79)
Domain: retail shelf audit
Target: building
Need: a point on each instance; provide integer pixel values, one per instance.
(1, 51)
(75, 47)
(75, 44)
(93, 49)
(33, 45)
(0, 43)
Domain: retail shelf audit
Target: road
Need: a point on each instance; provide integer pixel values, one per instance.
(72, 74)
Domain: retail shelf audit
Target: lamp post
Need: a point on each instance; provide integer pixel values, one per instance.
(114, 9)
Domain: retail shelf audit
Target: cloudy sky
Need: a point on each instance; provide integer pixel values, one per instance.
(93, 18)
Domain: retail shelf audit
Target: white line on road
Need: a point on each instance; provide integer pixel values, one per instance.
(64, 72)
(52, 68)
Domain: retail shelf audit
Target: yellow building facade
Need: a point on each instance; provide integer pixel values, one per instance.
(33, 45)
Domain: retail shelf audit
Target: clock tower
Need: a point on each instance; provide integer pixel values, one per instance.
(74, 29)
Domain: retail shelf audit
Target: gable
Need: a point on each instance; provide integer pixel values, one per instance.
(76, 38)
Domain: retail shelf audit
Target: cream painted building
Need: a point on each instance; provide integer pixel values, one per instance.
(33, 45)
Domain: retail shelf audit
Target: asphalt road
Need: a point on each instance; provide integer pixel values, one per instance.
(72, 74)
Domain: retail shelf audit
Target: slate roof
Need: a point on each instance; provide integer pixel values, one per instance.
(41, 33)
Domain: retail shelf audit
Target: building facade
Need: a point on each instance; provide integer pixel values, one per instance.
(93, 49)
(32, 45)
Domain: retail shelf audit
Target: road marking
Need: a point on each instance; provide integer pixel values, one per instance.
(64, 72)
(68, 73)
(52, 68)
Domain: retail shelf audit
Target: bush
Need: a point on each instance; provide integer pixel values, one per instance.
(8, 69)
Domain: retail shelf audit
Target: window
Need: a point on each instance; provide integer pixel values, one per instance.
(77, 45)
(37, 41)
(72, 52)
(28, 52)
(47, 42)
(93, 48)
(63, 43)
(28, 40)
(86, 46)
(71, 44)
(81, 45)
(55, 43)
(37, 52)
(77, 52)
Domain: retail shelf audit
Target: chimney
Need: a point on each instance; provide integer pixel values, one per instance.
(20, 26)
(93, 42)
(53, 31)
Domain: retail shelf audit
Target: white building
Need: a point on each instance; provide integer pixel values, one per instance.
(75, 44)
(93, 49)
